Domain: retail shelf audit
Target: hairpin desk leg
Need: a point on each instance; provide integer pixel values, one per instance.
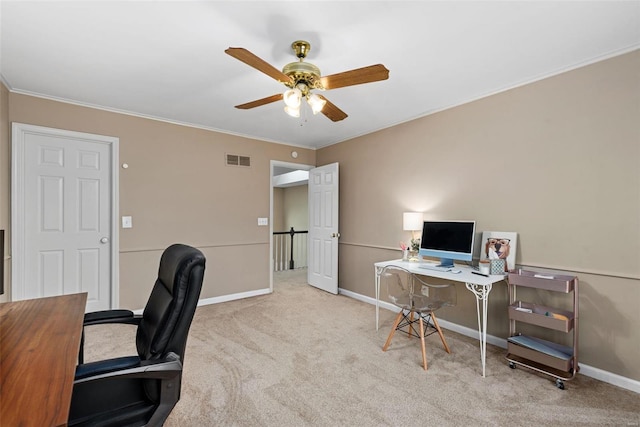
(482, 294)
(378, 270)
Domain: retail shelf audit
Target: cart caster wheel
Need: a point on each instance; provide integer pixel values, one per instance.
(512, 365)
(560, 384)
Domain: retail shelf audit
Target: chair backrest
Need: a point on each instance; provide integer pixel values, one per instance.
(409, 291)
(170, 309)
(397, 282)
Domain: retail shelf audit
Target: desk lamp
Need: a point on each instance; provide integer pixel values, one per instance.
(412, 221)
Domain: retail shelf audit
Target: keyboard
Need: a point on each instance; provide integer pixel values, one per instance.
(434, 267)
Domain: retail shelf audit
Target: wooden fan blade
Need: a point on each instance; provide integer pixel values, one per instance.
(259, 102)
(250, 59)
(332, 112)
(372, 73)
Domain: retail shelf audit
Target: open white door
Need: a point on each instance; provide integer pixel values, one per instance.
(323, 228)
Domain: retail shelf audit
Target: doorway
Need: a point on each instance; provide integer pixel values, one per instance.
(283, 175)
(64, 215)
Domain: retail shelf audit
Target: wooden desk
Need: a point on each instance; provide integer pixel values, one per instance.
(39, 344)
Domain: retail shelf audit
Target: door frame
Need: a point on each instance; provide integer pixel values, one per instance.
(17, 201)
(279, 163)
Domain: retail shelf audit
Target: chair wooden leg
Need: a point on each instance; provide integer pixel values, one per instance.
(424, 350)
(393, 330)
(435, 323)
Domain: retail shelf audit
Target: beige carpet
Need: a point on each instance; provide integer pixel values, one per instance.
(303, 357)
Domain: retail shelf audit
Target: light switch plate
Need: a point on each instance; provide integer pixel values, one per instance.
(127, 222)
(263, 221)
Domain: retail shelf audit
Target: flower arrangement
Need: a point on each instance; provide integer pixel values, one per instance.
(410, 252)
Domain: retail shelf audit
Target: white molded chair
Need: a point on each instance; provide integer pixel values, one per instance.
(416, 297)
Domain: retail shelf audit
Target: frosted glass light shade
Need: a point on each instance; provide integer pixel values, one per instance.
(292, 97)
(412, 221)
(293, 112)
(316, 103)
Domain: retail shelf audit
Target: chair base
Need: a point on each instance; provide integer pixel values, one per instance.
(406, 320)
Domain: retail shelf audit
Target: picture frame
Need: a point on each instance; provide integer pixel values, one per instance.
(500, 244)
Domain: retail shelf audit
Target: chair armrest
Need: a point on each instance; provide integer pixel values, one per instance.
(105, 317)
(166, 368)
(111, 316)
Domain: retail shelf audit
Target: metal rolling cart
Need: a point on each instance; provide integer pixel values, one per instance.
(550, 358)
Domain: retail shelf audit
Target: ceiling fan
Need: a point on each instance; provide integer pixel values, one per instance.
(302, 77)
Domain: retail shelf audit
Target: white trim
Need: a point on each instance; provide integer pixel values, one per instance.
(115, 223)
(17, 224)
(233, 297)
(17, 203)
(224, 298)
(610, 377)
(151, 117)
(589, 371)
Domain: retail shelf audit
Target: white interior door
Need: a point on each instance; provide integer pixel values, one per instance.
(62, 200)
(322, 271)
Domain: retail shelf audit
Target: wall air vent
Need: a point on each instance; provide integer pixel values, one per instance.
(236, 160)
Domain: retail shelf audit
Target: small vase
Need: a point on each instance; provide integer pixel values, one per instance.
(413, 256)
(405, 255)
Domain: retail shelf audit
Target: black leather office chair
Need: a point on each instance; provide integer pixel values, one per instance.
(142, 390)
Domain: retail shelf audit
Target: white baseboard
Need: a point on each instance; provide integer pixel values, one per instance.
(589, 371)
(233, 297)
(224, 298)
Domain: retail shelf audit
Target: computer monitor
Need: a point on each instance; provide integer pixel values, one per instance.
(448, 240)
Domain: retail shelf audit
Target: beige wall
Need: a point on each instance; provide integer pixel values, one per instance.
(296, 208)
(177, 189)
(557, 161)
(278, 209)
(291, 205)
(290, 208)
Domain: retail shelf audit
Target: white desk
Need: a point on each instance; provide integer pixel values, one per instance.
(479, 285)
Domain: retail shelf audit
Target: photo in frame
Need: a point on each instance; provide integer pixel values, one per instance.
(500, 245)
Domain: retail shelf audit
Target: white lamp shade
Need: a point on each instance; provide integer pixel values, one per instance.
(412, 221)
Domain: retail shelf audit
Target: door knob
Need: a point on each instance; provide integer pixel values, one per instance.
(335, 235)
(104, 240)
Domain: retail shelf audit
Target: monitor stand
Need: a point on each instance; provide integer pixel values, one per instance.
(446, 262)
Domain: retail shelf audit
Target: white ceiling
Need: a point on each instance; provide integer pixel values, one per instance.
(166, 60)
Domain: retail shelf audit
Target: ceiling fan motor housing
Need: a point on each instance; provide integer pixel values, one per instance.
(303, 72)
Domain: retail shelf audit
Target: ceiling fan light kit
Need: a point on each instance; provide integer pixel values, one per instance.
(302, 77)
(293, 99)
